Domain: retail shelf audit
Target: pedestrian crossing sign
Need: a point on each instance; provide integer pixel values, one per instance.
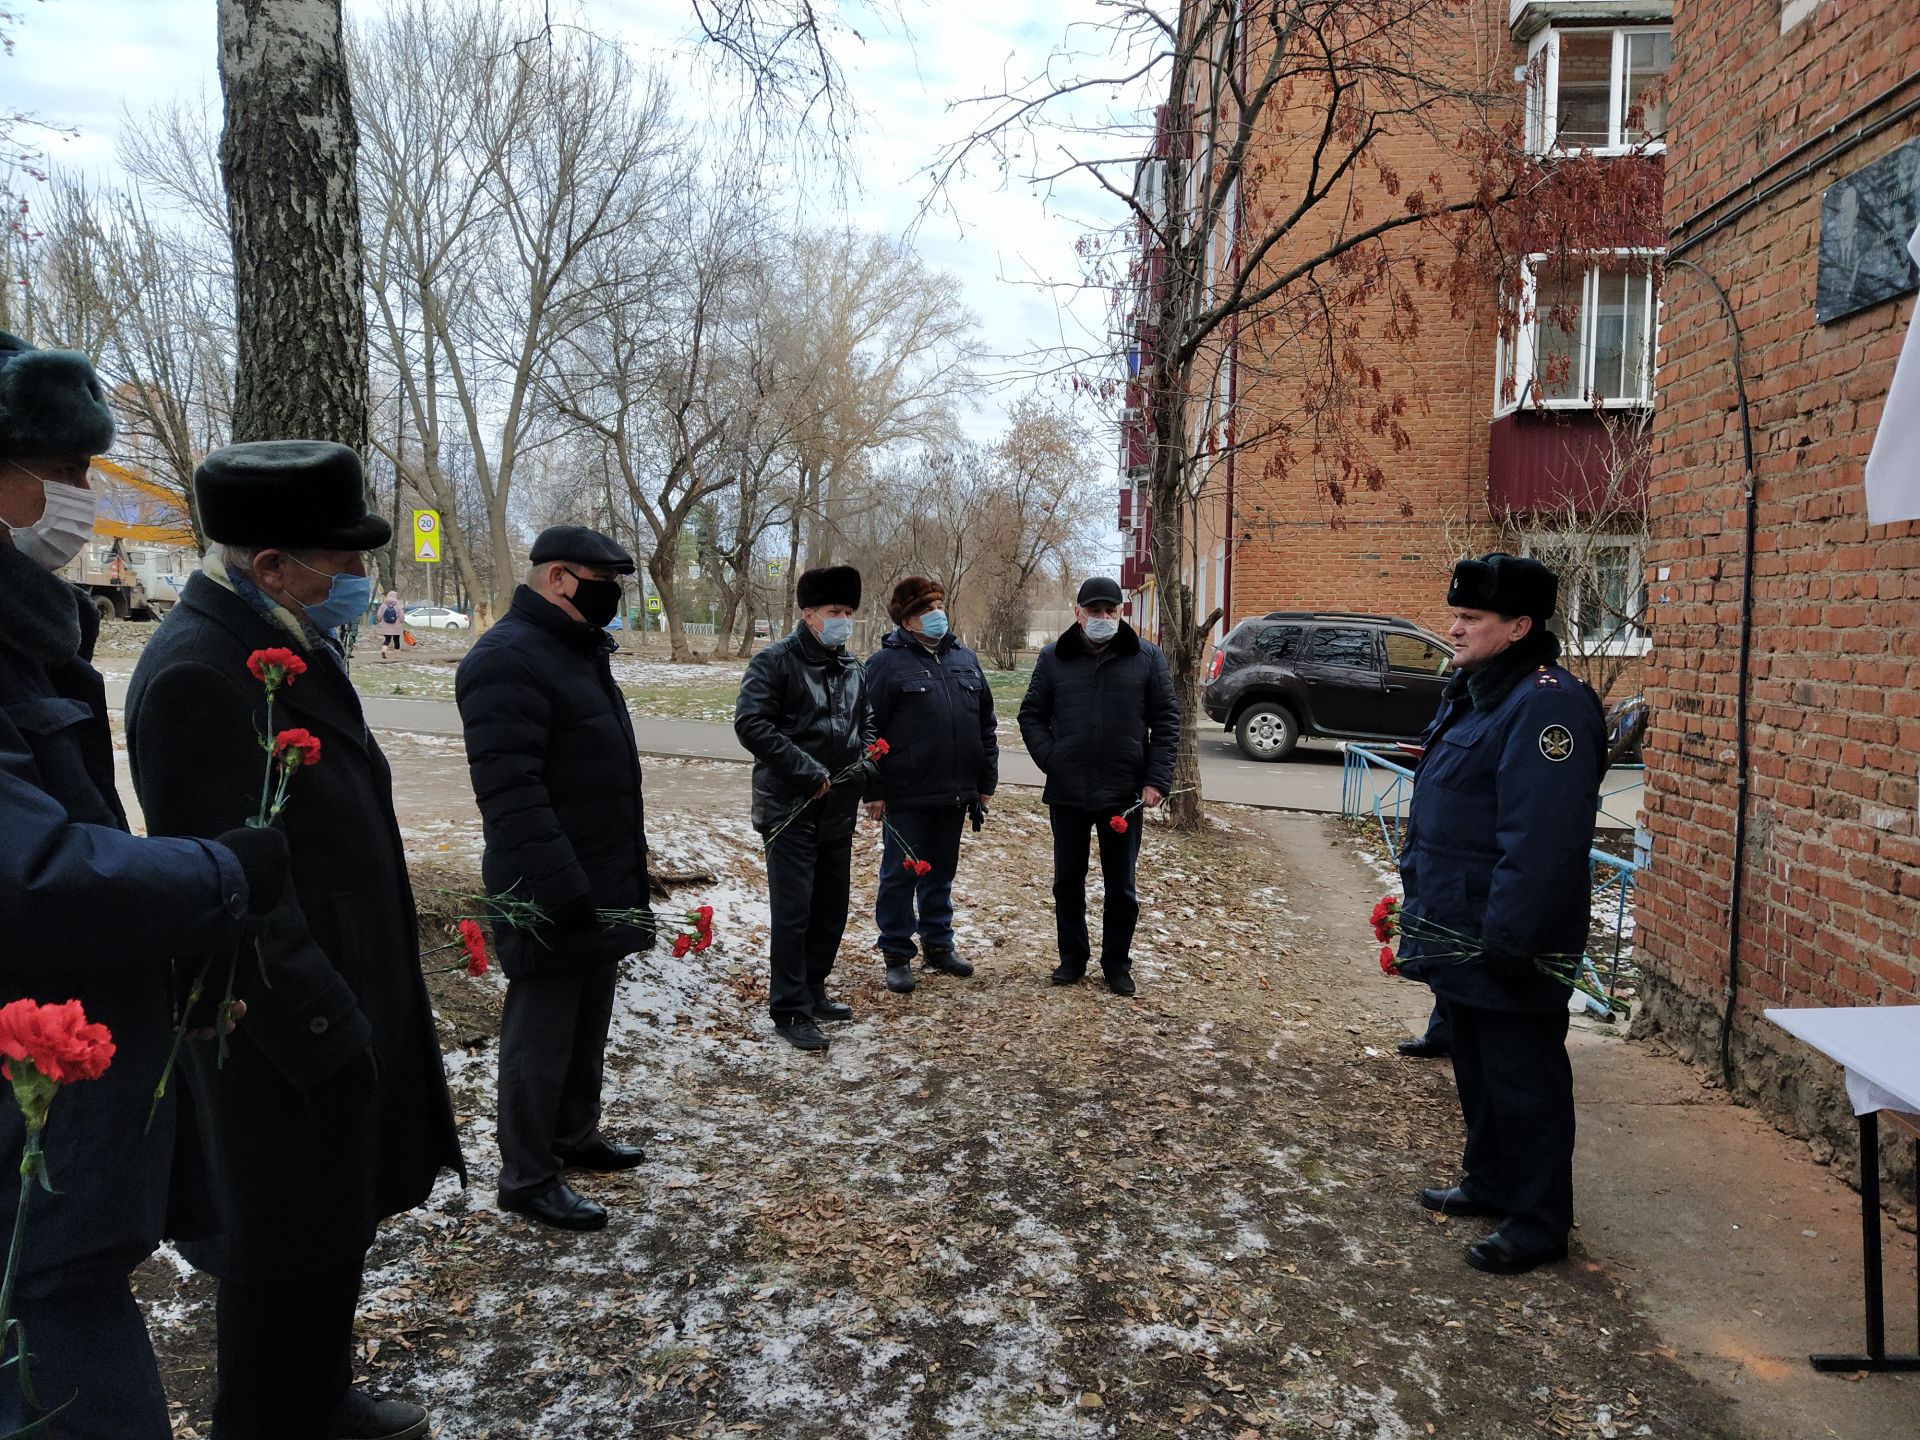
(426, 537)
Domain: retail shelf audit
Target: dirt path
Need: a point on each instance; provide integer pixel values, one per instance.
(998, 1209)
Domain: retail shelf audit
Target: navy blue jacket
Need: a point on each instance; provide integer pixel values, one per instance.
(1498, 833)
(1102, 726)
(551, 751)
(934, 710)
(92, 914)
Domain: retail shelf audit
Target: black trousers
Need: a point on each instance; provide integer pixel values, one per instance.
(1516, 1092)
(1118, 854)
(1438, 1031)
(286, 1353)
(553, 1046)
(87, 1349)
(809, 879)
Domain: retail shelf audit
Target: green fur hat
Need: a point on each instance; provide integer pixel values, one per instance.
(51, 402)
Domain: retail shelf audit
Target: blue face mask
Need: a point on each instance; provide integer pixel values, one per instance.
(933, 624)
(836, 630)
(348, 597)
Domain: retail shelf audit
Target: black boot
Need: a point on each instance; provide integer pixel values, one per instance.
(900, 974)
(947, 963)
(828, 1012)
(1065, 974)
(603, 1155)
(801, 1032)
(559, 1207)
(360, 1416)
(1120, 982)
(1422, 1048)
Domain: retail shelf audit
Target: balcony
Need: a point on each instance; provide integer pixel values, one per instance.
(1527, 18)
(1540, 463)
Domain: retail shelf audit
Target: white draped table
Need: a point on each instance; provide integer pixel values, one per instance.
(1879, 1048)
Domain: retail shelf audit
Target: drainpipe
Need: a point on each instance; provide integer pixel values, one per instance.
(1740, 781)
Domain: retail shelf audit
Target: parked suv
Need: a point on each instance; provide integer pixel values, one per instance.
(1277, 677)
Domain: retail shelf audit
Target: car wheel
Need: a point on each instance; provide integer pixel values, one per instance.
(1266, 731)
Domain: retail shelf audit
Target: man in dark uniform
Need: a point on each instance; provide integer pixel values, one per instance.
(1497, 873)
(330, 1112)
(92, 914)
(551, 751)
(1100, 719)
(803, 714)
(932, 706)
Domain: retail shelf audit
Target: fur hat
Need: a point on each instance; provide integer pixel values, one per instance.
(298, 494)
(915, 595)
(1505, 584)
(51, 402)
(829, 585)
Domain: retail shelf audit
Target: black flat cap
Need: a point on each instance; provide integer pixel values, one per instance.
(1098, 587)
(828, 585)
(293, 494)
(1505, 584)
(578, 545)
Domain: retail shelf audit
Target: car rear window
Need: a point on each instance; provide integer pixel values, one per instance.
(1342, 647)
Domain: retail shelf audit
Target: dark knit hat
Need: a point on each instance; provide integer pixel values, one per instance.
(582, 546)
(296, 494)
(915, 595)
(1098, 588)
(51, 402)
(829, 585)
(1505, 584)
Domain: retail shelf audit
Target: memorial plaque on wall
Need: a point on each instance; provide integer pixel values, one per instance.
(1865, 223)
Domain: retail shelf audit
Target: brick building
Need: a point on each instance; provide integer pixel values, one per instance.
(1508, 441)
(1793, 183)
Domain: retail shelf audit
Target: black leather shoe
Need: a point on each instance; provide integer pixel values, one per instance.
(559, 1207)
(948, 963)
(1120, 982)
(1423, 1049)
(900, 975)
(827, 1012)
(604, 1156)
(1453, 1200)
(1069, 974)
(801, 1032)
(1498, 1255)
(360, 1416)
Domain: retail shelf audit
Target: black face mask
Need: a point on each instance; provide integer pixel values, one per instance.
(598, 601)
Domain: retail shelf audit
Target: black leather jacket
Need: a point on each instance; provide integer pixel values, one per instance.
(803, 713)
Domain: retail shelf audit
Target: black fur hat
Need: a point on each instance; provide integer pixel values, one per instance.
(298, 494)
(51, 402)
(829, 585)
(1505, 584)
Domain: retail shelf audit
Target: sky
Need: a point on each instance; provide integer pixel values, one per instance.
(92, 64)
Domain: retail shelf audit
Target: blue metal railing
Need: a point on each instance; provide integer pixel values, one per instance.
(1371, 784)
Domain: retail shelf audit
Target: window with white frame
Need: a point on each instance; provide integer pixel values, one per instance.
(1584, 336)
(1603, 593)
(1598, 89)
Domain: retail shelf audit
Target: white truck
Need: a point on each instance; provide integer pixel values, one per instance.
(142, 549)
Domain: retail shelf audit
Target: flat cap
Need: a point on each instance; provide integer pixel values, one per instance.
(1505, 584)
(580, 546)
(294, 494)
(1098, 588)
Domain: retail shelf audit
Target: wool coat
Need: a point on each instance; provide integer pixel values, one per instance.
(331, 1111)
(556, 772)
(933, 708)
(1101, 725)
(95, 915)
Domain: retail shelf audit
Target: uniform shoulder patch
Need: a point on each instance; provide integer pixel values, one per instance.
(1546, 679)
(1556, 743)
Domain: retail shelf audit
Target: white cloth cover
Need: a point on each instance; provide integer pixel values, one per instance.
(1893, 466)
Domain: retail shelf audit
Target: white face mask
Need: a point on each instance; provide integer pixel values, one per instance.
(62, 531)
(1102, 628)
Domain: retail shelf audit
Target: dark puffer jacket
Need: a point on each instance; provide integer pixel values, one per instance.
(934, 710)
(94, 915)
(1102, 726)
(1495, 860)
(555, 770)
(803, 715)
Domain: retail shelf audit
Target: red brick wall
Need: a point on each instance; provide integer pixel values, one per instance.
(1830, 904)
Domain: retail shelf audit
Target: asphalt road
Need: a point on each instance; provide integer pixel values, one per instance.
(1309, 780)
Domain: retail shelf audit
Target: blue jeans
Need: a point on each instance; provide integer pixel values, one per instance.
(933, 836)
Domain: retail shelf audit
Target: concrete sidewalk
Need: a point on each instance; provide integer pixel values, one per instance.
(1742, 1250)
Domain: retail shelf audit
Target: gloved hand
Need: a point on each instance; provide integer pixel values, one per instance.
(264, 859)
(977, 812)
(577, 916)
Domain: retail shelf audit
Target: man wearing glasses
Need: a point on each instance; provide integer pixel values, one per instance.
(551, 751)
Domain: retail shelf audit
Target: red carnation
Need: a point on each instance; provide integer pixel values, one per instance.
(921, 867)
(877, 749)
(275, 667)
(706, 939)
(681, 944)
(1388, 965)
(703, 919)
(1118, 824)
(56, 1040)
(294, 748)
(474, 940)
(907, 865)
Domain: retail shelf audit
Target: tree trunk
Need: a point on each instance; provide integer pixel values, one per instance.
(287, 157)
(1180, 639)
(660, 568)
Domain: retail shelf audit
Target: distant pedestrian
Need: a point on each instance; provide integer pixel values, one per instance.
(557, 776)
(391, 621)
(1100, 719)
(1495, 863)
(803, 713)
(932, 706)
